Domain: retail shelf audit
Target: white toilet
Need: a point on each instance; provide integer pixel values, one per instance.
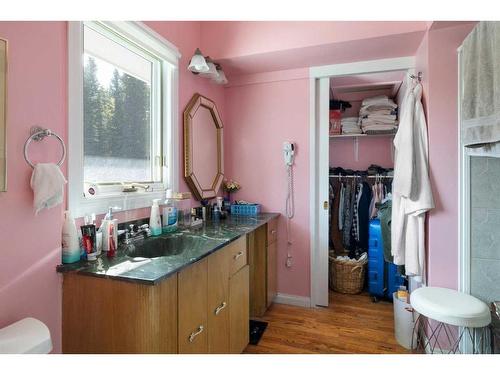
(29, 336)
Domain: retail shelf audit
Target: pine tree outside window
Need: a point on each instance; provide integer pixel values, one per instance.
(127, 94)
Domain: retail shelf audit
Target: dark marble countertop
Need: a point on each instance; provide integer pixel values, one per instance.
(206, 239)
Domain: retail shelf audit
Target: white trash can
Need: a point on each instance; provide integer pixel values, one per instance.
(404, 319)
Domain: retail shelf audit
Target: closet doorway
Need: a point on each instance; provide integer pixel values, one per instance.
(351, 83)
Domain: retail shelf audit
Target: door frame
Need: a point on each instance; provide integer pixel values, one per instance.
(464, 230)
(319, 85)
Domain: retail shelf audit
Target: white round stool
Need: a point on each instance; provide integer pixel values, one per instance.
(447, 319)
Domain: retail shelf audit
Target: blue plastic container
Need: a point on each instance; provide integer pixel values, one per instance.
(245, 209)
(383, 277)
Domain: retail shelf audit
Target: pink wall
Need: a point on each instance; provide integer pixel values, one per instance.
(186, 36)
(249, 115)
(441, 100)
(29, 285)
(370, 151)
(30, 247)
(260, 117)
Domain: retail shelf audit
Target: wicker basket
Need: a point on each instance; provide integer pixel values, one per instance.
(346, 276)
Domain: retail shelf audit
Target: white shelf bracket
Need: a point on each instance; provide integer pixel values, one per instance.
(356, 148)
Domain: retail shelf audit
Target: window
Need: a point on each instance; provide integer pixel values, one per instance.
(122, 108)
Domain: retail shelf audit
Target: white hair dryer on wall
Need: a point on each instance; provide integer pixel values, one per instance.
(289, 156)
(288, 152)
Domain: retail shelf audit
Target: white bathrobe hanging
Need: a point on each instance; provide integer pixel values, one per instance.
(412, 194)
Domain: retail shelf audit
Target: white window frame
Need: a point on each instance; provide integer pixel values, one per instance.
(169, 55)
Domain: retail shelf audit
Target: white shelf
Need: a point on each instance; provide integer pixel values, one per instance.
(362, 135)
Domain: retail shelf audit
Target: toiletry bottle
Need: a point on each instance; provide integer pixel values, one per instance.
(104, 229)
(70, 242)
(169, 213)
(112, 235)
(155, 219)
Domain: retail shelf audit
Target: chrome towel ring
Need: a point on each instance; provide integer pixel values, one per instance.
(38, 134)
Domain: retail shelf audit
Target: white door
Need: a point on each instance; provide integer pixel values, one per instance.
(319, 190)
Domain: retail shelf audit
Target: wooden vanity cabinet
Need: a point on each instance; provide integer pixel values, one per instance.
(263, 259)
(204, 308)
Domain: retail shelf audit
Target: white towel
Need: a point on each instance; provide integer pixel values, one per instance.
(378, 100)
(480, 103)
(47, 182)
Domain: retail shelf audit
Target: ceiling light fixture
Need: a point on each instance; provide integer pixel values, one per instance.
(220, 78)
(198, 64)
(207, 68)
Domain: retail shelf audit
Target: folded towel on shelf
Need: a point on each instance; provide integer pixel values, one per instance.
(349, 119)
(47, 182)
(378, 106)
(350, 125)
(351, 128)
(379, 131)
(381, 118)
(377, 112)
(379, 126)
(378, 115)
(352, 131)
(381, 100)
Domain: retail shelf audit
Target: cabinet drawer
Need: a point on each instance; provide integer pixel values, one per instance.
(238, 255)
(272, 231)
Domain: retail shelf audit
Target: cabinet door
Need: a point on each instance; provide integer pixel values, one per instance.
(218, 302)
(239, 310)
(192, 308)
(272, 265)
(272, 231)
(257, 260)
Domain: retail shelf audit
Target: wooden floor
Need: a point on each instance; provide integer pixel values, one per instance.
(351, 324)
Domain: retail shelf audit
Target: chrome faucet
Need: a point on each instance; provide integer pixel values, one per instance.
(133, 234)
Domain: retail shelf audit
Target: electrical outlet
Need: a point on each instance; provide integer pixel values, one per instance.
(289, 262)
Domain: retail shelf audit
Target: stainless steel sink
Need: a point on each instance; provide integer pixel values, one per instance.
(155, 247)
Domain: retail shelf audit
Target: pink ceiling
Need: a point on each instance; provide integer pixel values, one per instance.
(368, 79)
(261, 46)
(364, 49)
(229, 39)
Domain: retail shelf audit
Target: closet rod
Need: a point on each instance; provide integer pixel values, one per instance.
(359, 176)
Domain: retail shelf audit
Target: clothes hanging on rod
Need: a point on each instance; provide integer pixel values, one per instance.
(351, 203)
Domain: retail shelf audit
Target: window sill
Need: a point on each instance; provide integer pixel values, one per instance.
(123, 201)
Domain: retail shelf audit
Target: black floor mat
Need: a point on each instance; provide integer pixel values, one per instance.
(257, 329)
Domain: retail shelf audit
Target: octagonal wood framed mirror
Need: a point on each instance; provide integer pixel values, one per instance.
(203, 147)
